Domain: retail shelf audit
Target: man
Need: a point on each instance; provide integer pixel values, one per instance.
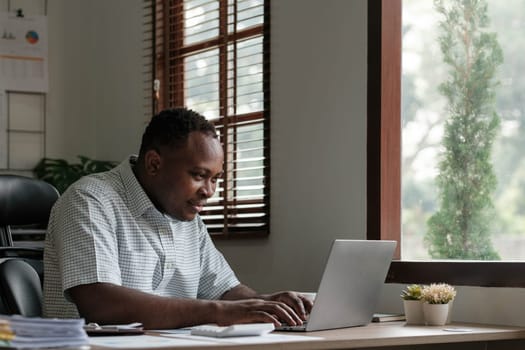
(128, 245)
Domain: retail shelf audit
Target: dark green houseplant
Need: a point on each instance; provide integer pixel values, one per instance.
(61, 174)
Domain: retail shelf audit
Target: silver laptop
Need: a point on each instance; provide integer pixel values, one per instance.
(351, 284)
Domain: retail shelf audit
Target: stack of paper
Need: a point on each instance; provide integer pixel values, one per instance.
(35, 332)
(6, 333)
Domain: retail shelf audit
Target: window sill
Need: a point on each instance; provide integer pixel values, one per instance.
(460, 273)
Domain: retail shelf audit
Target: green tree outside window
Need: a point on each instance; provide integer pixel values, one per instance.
(460, 229)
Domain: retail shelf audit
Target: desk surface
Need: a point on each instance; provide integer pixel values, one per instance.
(374, 335)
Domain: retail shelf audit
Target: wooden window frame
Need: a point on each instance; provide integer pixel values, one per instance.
(168, 61)
(384, 164)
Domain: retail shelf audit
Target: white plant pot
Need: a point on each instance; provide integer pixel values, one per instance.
(435, 314)
(449, 317)
(413, 311)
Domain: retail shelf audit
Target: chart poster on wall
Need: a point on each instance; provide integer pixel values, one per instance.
(3, 129)
(23, 52)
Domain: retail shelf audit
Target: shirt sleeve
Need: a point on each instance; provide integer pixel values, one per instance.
(217, 277)
(87, 249)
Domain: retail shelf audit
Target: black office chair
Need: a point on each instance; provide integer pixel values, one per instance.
(24, 201)
(20, 289)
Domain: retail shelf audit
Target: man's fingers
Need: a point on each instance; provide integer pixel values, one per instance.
(301, 304)
(307, 303)
(287, 313)
(263, 311)
(296, 303)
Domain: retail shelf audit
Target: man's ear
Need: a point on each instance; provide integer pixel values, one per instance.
(152, 162)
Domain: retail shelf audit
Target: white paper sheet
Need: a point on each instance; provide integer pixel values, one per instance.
(169, 339)
(144, 341)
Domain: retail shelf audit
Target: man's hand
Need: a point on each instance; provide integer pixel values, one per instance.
(298, 302)
(296, 305)
(256, 310)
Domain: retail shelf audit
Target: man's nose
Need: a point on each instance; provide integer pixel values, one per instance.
(207, 189)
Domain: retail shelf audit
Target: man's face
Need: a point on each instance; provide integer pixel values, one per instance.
(182, 179)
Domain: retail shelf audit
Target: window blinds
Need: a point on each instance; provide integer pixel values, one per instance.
(212, 56)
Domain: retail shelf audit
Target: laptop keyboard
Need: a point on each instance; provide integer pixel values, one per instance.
(287, 327)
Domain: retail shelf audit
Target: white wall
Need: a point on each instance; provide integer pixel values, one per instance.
(95, 67)
(318, 132)
(318, 143)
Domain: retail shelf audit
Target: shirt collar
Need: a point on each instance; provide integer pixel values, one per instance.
(138, 200)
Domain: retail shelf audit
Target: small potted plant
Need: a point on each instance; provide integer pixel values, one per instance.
(436, 303)
(412, 304)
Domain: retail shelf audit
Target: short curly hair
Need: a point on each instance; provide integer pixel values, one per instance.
(171, 127)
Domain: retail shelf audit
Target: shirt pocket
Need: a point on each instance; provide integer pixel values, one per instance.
(140, 270)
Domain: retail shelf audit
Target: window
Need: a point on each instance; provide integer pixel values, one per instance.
(500, 234)
(212, 56)
(384, 163)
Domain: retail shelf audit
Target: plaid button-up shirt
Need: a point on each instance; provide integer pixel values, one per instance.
(104, 228)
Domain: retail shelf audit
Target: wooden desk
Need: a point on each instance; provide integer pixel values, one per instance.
(393, 335)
